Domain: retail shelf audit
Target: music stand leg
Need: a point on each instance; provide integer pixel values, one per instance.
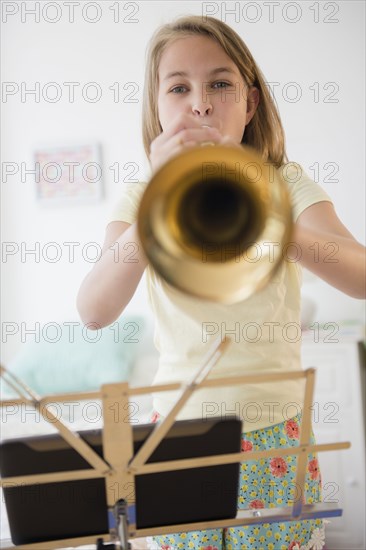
(121, 515)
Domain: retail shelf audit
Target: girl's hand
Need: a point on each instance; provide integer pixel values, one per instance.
(184, 132)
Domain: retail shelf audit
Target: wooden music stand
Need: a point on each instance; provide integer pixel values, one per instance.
(120, 466)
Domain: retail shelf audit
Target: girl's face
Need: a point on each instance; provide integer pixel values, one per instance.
(198, 78)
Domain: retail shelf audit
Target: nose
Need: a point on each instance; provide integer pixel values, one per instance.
(201, 107)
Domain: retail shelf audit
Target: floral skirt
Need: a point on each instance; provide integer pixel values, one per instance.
(264, 483)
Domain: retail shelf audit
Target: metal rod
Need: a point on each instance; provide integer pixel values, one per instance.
(53, 477)
(161, 429)
(245, 517)
(72, 438)
(181, 464)
(234, 457)
(54, 544)
(117, 443)
(227, 381)
(305, 433)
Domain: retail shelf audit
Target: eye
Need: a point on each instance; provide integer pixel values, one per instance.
(221, 84)
(178, 89)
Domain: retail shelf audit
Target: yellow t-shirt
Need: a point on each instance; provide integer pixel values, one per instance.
(265, 331)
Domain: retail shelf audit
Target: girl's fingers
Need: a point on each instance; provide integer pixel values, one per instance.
(184, 132)
(165, 154)
(160, 147)
(181, 148)
(183, 121)
(200, 135)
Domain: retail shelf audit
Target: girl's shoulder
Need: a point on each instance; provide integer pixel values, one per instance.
(303, 190)
(126, 207)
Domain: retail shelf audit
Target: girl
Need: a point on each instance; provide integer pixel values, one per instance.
(202, 84)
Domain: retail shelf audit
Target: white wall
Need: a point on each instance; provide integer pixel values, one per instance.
(302, 52)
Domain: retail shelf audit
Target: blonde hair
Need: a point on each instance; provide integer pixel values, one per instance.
(264, 132)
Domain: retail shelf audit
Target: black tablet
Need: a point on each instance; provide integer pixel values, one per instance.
(51, 511)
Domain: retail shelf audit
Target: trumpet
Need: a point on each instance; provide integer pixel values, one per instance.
(213, 222)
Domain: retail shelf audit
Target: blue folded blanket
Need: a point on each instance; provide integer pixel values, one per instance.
(80, 360)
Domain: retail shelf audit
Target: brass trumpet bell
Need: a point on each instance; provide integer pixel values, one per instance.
(213, 222)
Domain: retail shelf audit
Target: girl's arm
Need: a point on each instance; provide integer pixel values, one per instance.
(112, 282)
(327, 248)
(110, 285)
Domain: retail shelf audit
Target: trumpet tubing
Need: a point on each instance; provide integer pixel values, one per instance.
(208, 209)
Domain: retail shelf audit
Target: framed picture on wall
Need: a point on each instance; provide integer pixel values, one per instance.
(68, 174)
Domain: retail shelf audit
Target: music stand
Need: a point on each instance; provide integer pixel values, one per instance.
(119, 466)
